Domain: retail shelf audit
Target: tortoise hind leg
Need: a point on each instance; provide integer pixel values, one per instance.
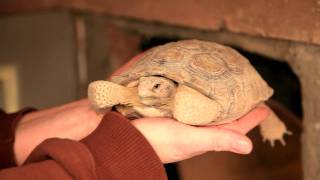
(273, 129)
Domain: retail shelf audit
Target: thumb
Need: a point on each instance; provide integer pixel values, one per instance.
(218, 139)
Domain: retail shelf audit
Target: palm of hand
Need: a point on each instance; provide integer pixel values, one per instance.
(174, 141)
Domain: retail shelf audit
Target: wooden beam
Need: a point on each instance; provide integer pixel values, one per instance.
(294, 20)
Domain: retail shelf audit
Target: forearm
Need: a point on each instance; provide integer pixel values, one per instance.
(72, 121)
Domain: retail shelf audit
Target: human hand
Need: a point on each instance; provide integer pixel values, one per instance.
(74, 120)
(174, 141)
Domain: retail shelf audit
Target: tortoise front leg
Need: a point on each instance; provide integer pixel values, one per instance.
(192, 107)
(105, 94)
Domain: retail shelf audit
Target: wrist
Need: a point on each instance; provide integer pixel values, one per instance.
(124, 145)
(74, 121)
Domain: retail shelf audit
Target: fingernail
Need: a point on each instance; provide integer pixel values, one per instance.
(241, 146)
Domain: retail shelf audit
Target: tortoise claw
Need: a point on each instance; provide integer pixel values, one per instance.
(272, 140)
(282, 142)
(272, 143)
(289, 133)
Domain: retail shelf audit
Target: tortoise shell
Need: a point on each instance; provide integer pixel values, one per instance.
(216, 71)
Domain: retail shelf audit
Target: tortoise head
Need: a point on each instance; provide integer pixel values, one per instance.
(153, 90)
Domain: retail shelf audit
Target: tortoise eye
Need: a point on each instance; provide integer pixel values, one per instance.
(156, 86)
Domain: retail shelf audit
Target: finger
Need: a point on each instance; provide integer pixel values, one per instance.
(218, 139)
(249, 121)
(127, 65)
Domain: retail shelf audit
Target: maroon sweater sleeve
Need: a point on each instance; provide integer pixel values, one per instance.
(115, 150)
(8, 124)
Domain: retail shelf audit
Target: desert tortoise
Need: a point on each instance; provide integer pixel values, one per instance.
(195, 82)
